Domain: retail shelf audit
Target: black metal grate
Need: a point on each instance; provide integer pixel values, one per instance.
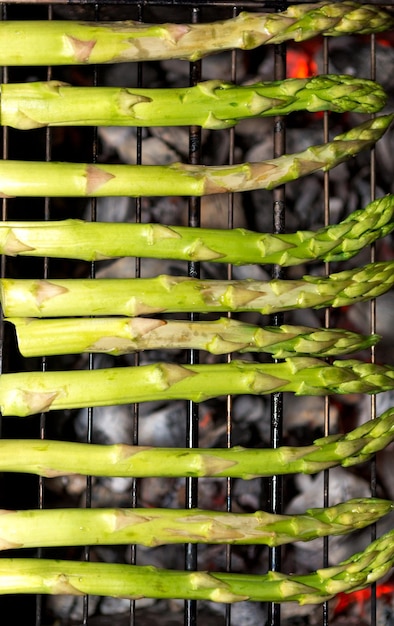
(22, 491)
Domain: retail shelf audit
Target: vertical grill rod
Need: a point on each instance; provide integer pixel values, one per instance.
(327, 323)
(135, 407)
(192, 416)
(279, 208)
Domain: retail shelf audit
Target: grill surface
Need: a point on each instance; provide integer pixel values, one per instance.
(21, 491)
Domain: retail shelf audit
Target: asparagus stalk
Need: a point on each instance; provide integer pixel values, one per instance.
(116, 336)
(68, 42)
(91, 241)
(27, 393)
(213, 104)
(60, 458)
(107, 579)
(29, 178)
(178, 294)
(154, 527)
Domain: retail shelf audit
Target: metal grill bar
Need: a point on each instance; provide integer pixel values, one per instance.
(193, 271)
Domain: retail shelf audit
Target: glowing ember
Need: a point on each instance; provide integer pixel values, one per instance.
(300, 64)
(344, 600)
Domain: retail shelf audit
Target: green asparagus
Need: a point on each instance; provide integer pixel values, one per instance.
(93, 241)
(61, 458)
(117, 335)
(213, 104)
(103, 579)
(176, 294)
(30, 178)
(63, 42)
(27, 393)
(154, 527)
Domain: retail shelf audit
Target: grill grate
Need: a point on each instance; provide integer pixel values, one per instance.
(86, 145)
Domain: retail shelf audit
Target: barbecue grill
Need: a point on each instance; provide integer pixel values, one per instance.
(318, 200)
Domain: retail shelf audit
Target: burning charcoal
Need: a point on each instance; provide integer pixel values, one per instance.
(162, 492)
(112, 424)
(177, 137)
(256, 133)
(124, 142)
(359, 317)
(126, 266)
(214, 212)
(343, 485)
(247, 614)
(247, 494)
(165, 427)
(113, 210)
(385, 470)
(126, 75)
(307, 413)
(120, 140)
(169, 210)
(70, 607)
(251, 411)
(243, 613)
(214, 67)
(359, 64)
(116, 606)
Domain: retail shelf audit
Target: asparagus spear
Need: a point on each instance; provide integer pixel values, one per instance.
(213, 104)
(136, 581)
(154, 527)
(27, 393)
(63, 42)
(29, 178)
(90, 241)
(116, 335)
(60, 458)
(177, 294)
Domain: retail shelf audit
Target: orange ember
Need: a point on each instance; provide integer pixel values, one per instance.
(344, 600)
(300, 64)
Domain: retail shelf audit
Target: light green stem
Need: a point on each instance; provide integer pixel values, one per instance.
(30, 178)
(178, 294)
(28, 393)
(117, 335)
(103, 579)
(154, 527)
(92, 241)
(212, 104)
(61, 458)
(71, 42)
